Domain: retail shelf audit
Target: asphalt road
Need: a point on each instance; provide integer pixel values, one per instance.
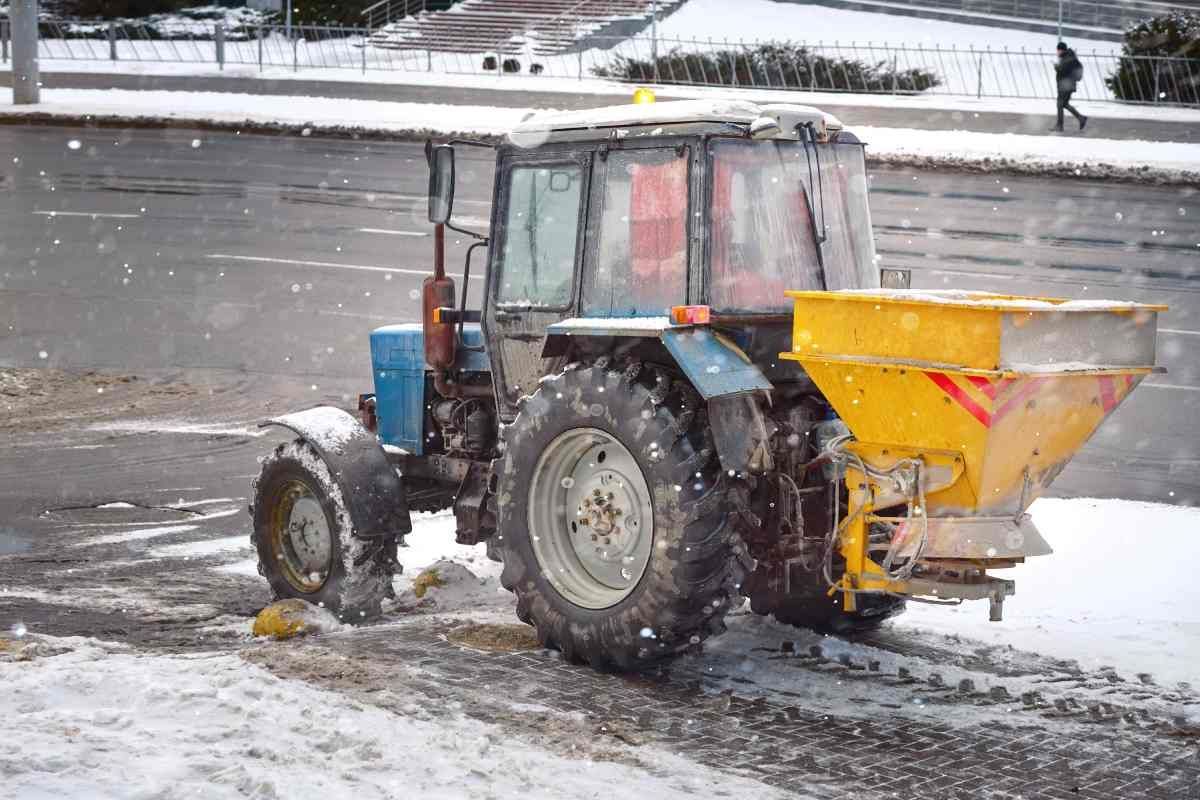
(255, 267)
(1037, 120)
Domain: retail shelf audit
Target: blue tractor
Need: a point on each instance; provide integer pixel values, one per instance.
(614, 422)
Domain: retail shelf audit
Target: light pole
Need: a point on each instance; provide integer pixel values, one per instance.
(23, 27)
(1060, 2)
(288, 24)
(654, 37)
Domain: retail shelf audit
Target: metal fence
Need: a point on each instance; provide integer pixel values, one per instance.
(813, 66)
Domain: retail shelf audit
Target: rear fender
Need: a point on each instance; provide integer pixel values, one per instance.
(373, 492)
(719, 370)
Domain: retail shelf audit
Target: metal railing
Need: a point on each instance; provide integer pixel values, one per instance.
(811, 67)
(381, 13)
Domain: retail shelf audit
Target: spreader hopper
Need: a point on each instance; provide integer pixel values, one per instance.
(986, 397)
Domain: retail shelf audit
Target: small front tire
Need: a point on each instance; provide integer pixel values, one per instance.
(305, 537)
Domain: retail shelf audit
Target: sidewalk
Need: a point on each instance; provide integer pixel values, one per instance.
(922, 112)
(1172, 162)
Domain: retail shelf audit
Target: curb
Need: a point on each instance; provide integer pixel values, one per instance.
(986, 165)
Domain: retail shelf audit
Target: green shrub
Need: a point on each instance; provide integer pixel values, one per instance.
(116, 9)
(772, 64)
(1172, 35)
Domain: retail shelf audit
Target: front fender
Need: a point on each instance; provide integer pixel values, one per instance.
(373, 492)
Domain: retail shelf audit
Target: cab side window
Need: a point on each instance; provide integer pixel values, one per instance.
(641, 268)
(540, 235)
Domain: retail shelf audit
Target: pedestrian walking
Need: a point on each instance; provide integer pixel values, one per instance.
(1068, 72)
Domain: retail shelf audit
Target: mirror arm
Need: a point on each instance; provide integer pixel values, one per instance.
(478, 236)
(463, 305)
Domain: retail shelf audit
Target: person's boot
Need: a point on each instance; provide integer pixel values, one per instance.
(1082, 122)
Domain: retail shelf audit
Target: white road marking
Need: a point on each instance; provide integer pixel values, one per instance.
(1178, 332)
(92, 214)
(1172, 386)
(380, 317)
(391, 232)
(330, 264)
(997, 275)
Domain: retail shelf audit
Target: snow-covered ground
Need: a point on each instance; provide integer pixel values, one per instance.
(767, 20)
(84, 718)
(1116, 591)
(338, 114)
(100, 721)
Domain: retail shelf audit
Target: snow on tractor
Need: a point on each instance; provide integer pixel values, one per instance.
(690, 383)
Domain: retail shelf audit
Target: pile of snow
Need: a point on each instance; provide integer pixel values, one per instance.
(1169, 160)
(313, 114)
(99, 721)
(971, 146)
(1119, 591)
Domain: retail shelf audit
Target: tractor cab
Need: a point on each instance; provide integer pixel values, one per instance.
(626, 213)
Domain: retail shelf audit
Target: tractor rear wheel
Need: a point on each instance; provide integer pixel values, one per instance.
(613, 521)
(305, 538)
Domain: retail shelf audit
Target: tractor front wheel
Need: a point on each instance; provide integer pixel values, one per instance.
(305, 537)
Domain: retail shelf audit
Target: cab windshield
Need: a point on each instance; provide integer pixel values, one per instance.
(766, 204)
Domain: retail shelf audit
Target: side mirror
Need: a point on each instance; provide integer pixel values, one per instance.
(895, 278)
(764, 128)
(441, 184)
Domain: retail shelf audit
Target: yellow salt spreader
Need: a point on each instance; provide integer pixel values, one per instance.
(961, 408)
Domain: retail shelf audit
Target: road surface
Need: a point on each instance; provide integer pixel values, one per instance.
(264, 260)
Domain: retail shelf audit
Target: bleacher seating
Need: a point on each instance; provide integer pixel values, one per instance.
(541, 27)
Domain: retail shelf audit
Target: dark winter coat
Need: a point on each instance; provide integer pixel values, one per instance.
(1068, 71)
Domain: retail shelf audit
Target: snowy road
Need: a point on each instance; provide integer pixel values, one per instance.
(238, 275)
(262, 262)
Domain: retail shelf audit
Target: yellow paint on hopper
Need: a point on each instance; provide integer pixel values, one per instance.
(925, 376)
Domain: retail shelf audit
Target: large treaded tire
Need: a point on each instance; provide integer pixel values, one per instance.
(361, 570)
(698, 560)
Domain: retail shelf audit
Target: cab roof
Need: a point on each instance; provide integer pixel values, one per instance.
(667, 118)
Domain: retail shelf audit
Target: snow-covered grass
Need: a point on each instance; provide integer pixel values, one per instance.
(769, 20)
(316, 114)
(98, 721)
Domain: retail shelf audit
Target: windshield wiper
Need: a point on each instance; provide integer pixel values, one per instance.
(808, 137)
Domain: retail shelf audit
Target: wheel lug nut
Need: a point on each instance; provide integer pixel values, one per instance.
(595, 537)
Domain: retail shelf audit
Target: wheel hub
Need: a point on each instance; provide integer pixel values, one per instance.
(301, 538)
(591, 517)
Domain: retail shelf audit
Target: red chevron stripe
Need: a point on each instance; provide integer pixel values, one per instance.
(954, 390)
(1025, 388)
(984, 385)
(1107, 394)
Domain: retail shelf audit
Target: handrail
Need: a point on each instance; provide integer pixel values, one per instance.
(373, 16)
